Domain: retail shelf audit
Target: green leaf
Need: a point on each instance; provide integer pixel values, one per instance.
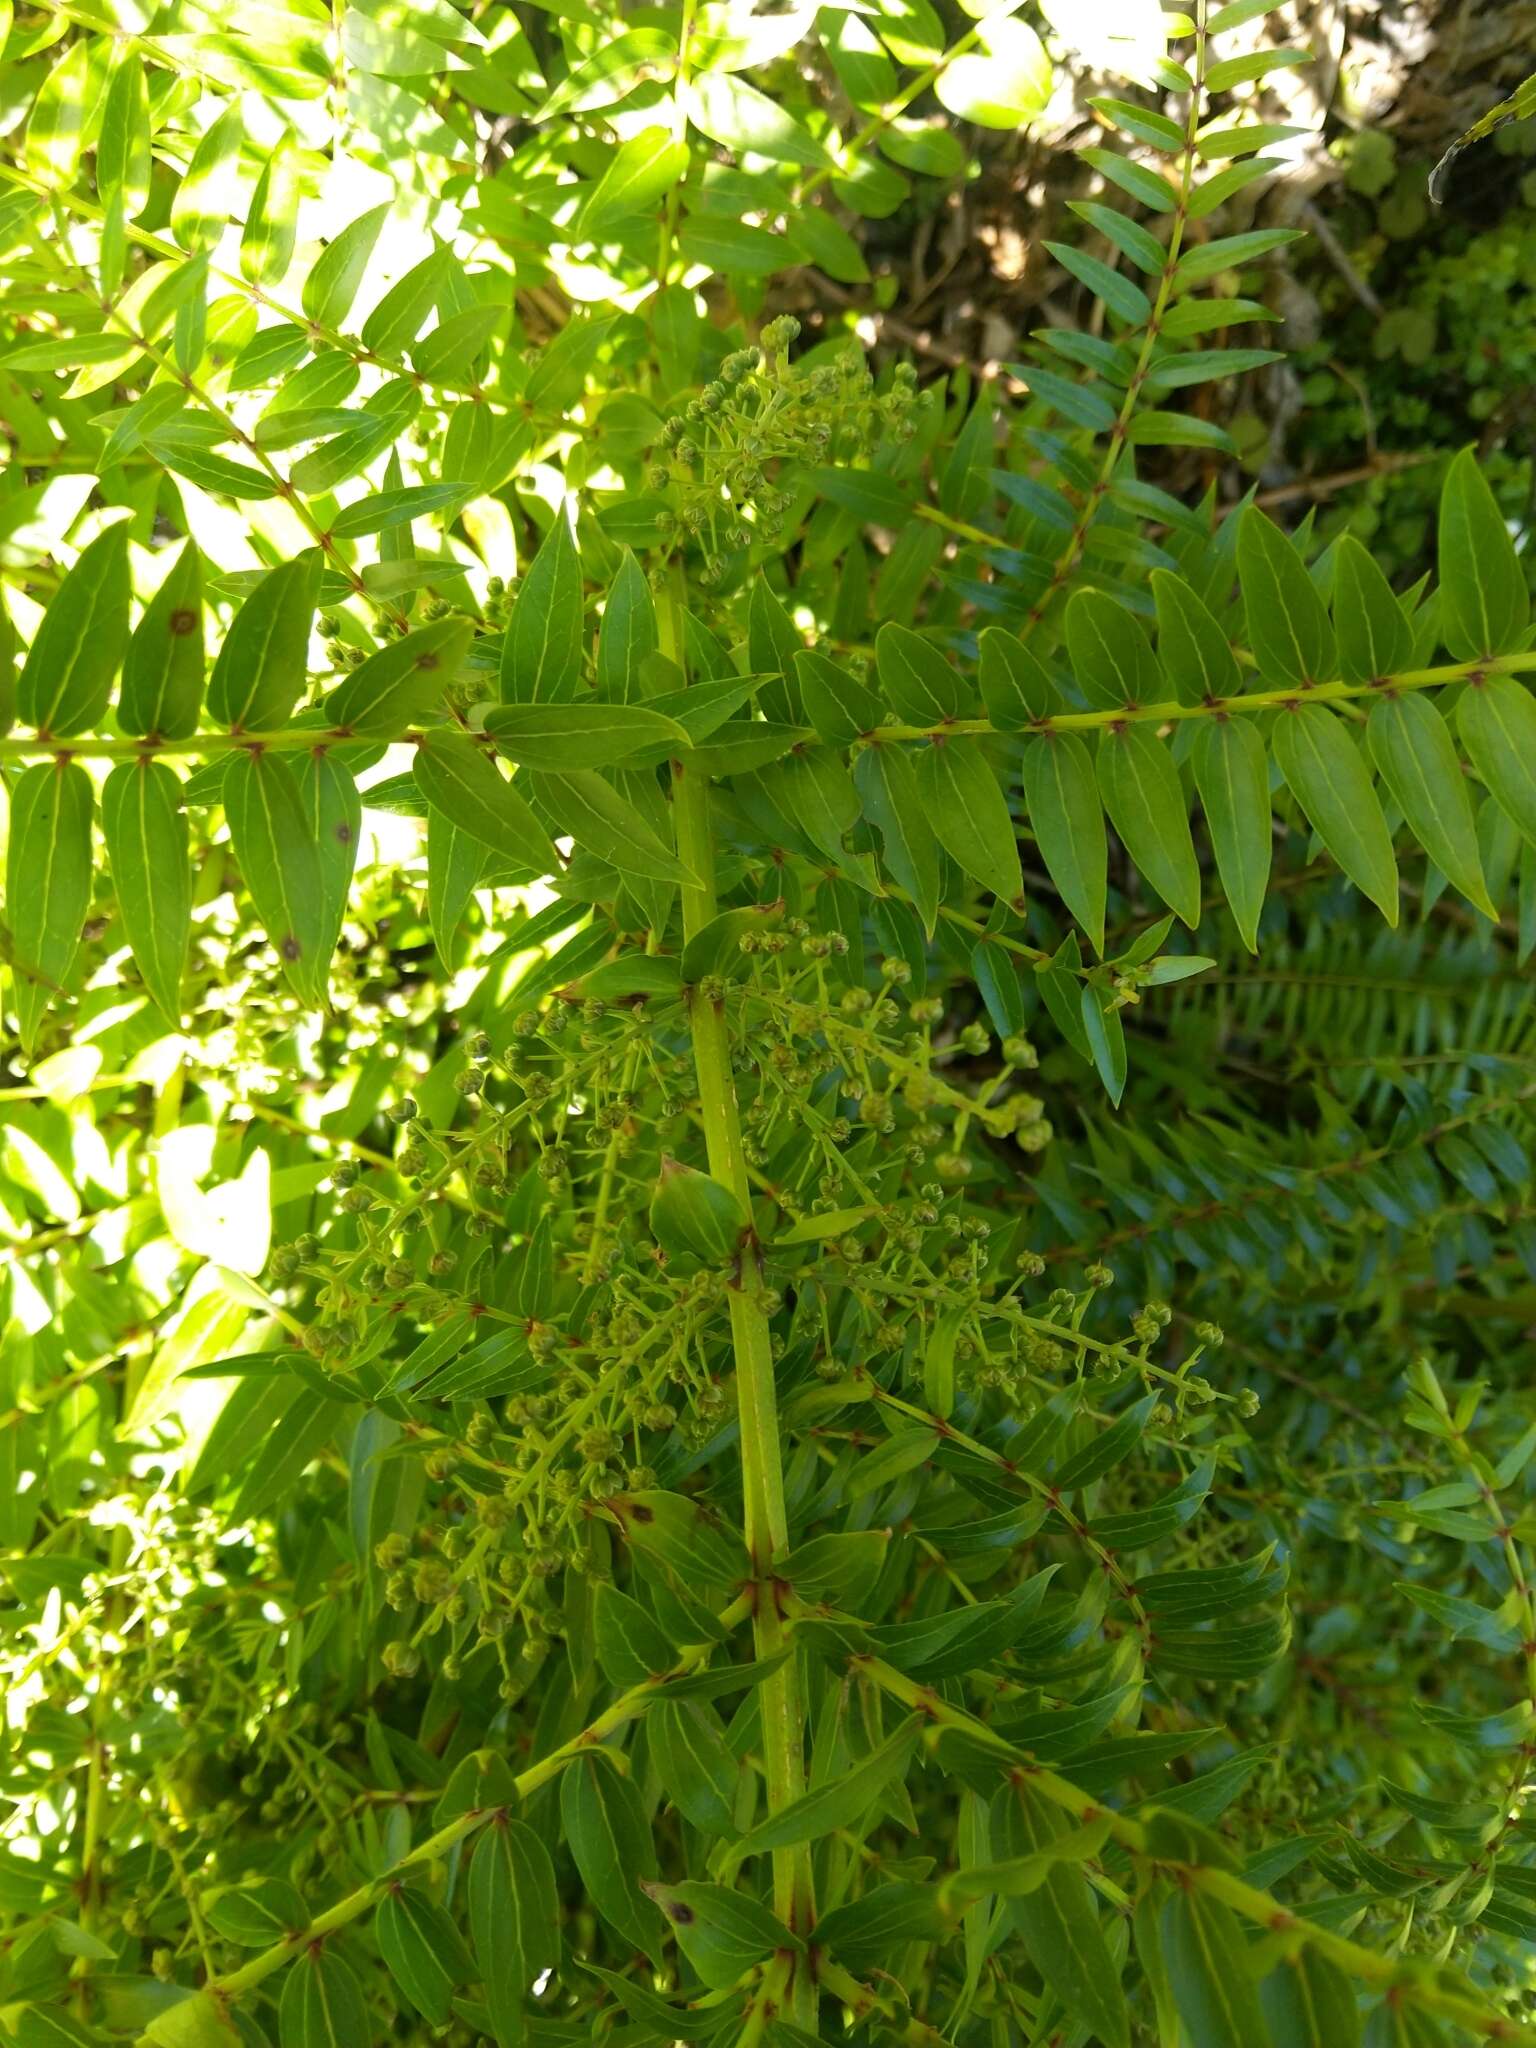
(1232, 776)
(459, 779)
(627, 637)
(1461, 1617)
(1015, 687)
(841, 709)
(1310, 2003)
(1142, 794)
(422, 1950)
(729, 111)
(842, 1802)
(333, 817)
(145, 829)
(258, 1914)
(262, 667)
(581, 735)
(66, 680)
(1209, 1969)
(163, 673)
(604, 823)
(123, 150)
(1058, 1919)
(455, 862)
(514, 1920)
(1484, 605)
(322, 2004)
(206, 198)
(915, 679)
(270, 235)
(393, 689)
(1324, 772)
(1066, 816)
(605, 1828)
(1288, 625)
(1005, 84)
(1193, 651)
(280, 865)
(48, 884)
(630, 1646)
(1111, 656)
(887, 785)
(1497, 723)
(1375, 638)
(722, 1932)
(694, 1764)
(968, 814)
(541, 655)
(338, 272)
(1416, 759)
(643, 169)
(378, 513)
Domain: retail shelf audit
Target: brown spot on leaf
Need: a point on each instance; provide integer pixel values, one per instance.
(344, 833)
(182, 622)
(290, 948)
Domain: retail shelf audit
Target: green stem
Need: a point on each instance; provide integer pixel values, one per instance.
(628, 1707)
(209, 745)
(767, 1523)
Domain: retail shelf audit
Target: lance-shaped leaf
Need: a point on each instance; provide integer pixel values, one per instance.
(338, 272)
(145, 829)
(915, 679)
(163, 673)
(1145, 801)
(274, 843)
(968, 814)
(458, 778)
(259, 1913)
(1310, 2003)
(455, 862)
(1497, 723)
(261, 669)
(722, 1932)
(1066, 816)
(1059, 1920)
(841, 1802)
(541, 654)
(887, 786)
(582, 735)
(48, 884)
(1111, 656)
(694, 1763)
(1015, 686)
(423, 1951)
(123, 148)
(333, 811)
(1484, 604)
(605, 1828)
(1375, 638)
(514, 1922)
(1416, 759)
(1323, 769)
(1192, 650)
(1288, 627)
(322, 2005)
(1232, 776)
(641, 171)
(1209, 1970)
(603, 823)
(394, 688)
(66, 680)
(628, 636)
